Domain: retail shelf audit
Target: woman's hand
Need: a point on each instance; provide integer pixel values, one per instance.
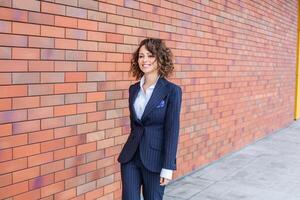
(164, 181)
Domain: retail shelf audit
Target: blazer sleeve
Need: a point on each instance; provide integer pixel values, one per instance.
(172, 122)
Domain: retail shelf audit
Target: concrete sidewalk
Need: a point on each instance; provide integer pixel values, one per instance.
(266, 170)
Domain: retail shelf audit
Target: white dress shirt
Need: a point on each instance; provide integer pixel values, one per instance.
(139, 107)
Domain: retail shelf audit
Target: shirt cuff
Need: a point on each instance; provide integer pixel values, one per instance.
(166, 173)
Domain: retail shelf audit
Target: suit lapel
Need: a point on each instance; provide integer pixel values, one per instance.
(133, 97)
(158, 94)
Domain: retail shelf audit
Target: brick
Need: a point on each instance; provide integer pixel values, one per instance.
(13, 141)
(76, 55)
(86, 87)
(52, 77)
(86, 107)
(13, 14)
(39, 113)
(64, 110)
(25, 102)
(97, 16)
(5, 78)
(41, 181)
(52, 145)
(52, 100)
(76, 12)
(28, 5)
(75, 76)
(40, 159)
(63, 21)
(85, 128)
(105, 105)
(67, 194)
(65, 66)
(96, 36)
(25, 28)
(73, 182)
(41, 18)
(113, 132)
(86, 187)
(53, 122)
(52, 54)
(87, 45)
(87, 25)
(6, 179)
(26, 174)
(6, 154)
(124, 11)
(67, 2)
(74, 161)
(105, 124)
(65, 43)
(5, 53)
(75, 98)
(111, 151)
(105, 181)
(97, 174)
(102, 144)
(115, 38)
(64, 153)
(27, 126)
(107, 27)
(24, 151)
(6, 129)
(96, 76)
(76, 34)
(107, 197)
(112, 187)
(85, 148)
(5, 104)
(87, 66)
(39, 66)
(75, 119)
(25, 53)
(52, 31)
(116, 57)
(65, 174)
(5, 3)
(12, 190)
(95, 96)
(52, 189)
(52, 167)
(41, 42)
(106, 86)
(13, 165)
(111, 47)
(96, 56)
(96, 155)
(114, 95)
(32, 195)
(65, 88)
(48, 7)
(25, 78)
(89, 167)
(12, 65)
(88, 4)
(95, 116)
(40, 89)
(104, 7)
(94, 194)
(40, 136)
(13, 40)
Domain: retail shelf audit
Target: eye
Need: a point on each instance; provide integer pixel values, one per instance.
(140, 56)
(150, 56)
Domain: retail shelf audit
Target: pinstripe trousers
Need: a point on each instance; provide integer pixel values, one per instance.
(134, 176)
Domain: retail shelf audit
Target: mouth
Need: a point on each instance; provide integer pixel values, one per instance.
(146, 65)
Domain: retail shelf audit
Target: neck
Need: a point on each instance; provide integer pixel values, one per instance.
(150, 78)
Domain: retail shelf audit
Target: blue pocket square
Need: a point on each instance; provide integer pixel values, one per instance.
(161, 104)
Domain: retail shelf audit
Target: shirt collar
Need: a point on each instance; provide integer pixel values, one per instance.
(151, 86)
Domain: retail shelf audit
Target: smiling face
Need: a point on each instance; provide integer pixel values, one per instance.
(147, 61)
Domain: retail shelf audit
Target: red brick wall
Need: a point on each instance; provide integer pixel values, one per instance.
(64, 85)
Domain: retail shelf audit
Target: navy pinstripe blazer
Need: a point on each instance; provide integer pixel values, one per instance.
(156, 134)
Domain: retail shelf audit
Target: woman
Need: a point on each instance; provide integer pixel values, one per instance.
(148, 158)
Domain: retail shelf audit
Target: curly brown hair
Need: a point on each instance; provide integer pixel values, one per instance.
(162, 54)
